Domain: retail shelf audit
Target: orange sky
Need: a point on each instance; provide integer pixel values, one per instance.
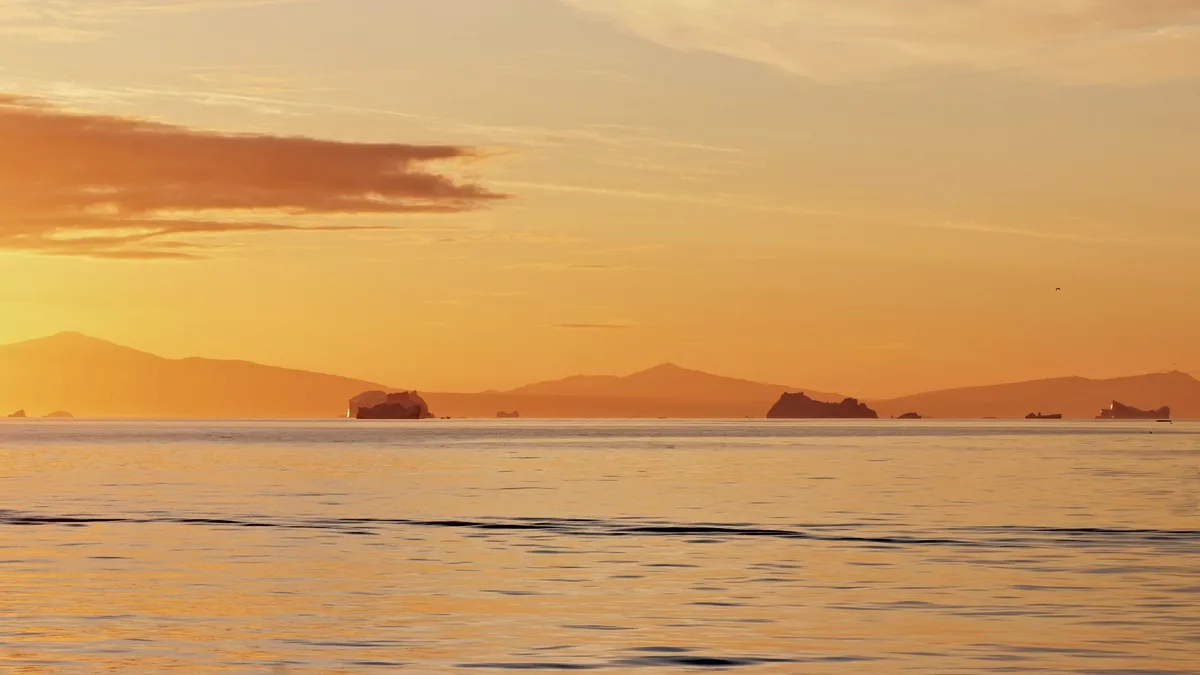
(469, 194)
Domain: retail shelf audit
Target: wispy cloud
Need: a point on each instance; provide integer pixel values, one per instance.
(849, 216)
(276, 92)
(1099, 41)
(729, 201)
(492, 236)
(75, 20)
(271, 92)
(593, 326)
(571, 267)
(117, 187)
(1006, 231)
(263, 81)
(500, 294)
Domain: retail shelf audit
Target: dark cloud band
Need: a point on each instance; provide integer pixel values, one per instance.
(117, 187)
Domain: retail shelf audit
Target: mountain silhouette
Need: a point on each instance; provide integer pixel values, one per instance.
(1075, 397)
(666, 390)
(582, 407)
(96, 378)
(667, 382)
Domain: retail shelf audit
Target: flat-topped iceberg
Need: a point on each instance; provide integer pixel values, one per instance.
(380, 405)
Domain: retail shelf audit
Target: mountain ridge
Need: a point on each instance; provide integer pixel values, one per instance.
(92, 377)
(667, 381)
(1073, 396)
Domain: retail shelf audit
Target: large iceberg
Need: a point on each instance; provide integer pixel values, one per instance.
(1119, 411)
(799, 406)
(380, 405)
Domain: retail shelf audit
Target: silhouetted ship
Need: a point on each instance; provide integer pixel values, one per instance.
(1120, 411)
(1040, 416)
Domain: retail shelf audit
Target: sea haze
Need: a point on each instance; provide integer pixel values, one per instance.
(452, 546)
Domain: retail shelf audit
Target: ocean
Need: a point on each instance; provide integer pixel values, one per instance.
(329, 547)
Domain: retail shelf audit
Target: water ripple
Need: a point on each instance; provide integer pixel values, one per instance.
(1013, 537)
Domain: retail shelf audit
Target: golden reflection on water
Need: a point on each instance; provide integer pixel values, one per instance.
(374, 548)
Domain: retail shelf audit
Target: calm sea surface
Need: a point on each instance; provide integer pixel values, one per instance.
(445, 546)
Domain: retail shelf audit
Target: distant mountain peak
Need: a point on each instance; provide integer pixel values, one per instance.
(68, 336)
(1169, 376)
(668, 367)
(1074, 397)
(666, 381)
(96, 378)
(78, 349)
(74, 336)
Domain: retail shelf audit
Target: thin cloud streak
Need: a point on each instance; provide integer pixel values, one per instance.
(724, 201)
(593, 326)
(77, 20)
(1023, 232)
(615, 136)
(103, 186)
(1088, 41)
(570, 267)
(915, 221)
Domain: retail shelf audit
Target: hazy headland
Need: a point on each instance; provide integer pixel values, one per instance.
(90, 377)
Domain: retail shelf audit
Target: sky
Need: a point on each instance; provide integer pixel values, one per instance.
(874, 198)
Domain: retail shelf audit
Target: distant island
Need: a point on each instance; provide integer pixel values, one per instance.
(800, 406)
(1119, 411)
(514, 415)
(19, 415)
(379, 405)
(910, 416)
(1040, 416)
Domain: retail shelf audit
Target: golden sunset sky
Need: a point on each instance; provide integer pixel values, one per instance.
(870, 197)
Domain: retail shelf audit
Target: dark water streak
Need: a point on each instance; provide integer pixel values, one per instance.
(1007, 537)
